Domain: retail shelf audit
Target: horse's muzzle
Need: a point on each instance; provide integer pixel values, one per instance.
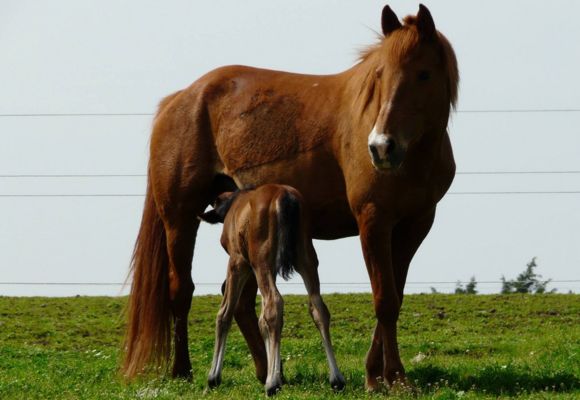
(384, 152)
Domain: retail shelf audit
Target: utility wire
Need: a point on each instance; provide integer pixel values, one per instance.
(76, 175)
(279, 283)
(75, 195)
(517, 192)
(537, 172)
(149, 114)
(516, 172)
(142, 195)
(518, 111)
(26, 115)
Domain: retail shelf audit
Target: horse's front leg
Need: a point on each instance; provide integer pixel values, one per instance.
(383, 360)
(406, 238)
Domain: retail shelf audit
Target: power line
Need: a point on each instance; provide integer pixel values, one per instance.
(279, 283)
(517, 192)
(26, 115)
(516, 172)
(76, 175)
(142, 195)
(518, 111)
(149, 114)
(75, 195)
(531, 172)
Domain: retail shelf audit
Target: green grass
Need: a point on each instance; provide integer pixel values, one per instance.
(474, 346)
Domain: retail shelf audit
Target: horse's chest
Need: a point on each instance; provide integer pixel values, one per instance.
(415, 197)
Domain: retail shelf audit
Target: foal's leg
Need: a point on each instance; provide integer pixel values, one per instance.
(320, 315)
(245, 315)
(271, 321)
(236, 278)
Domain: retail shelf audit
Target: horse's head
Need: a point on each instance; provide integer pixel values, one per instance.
(417, 74)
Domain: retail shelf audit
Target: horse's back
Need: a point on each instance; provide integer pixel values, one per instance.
(258, 126)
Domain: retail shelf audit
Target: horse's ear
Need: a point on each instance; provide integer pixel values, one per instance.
(389, 21)
(211, 216)
(425, 23)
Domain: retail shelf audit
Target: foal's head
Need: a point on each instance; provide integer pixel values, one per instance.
(417, 77)
(221, 206)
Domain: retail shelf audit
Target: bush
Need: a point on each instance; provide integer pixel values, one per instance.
(470, 288)
(526, 282)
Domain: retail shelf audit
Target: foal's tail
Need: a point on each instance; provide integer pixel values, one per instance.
(288, 229)
(148, 337)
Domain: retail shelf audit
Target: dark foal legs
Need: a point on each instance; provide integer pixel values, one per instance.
(247, 320)
(308, 269)
(238, 272)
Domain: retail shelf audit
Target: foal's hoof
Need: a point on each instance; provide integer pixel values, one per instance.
(337, 383)
(214, 381)
(273, 389)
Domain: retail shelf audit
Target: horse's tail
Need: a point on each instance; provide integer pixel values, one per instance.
(288, 229)
(148, 337)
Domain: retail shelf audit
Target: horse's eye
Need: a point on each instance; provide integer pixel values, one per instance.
(423, 75)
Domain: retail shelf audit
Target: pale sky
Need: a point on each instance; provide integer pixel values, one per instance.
(71, 57)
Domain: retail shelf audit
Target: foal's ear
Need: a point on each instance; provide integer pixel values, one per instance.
(211, 216)
(389, 21)
(425, 23)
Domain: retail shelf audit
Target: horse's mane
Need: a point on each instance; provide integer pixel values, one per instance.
(405, 40)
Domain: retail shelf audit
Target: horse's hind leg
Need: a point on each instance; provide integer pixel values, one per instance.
(181, 174)
(319, 313)
(237, 274)
(245, 315)
(179, 213)
(180, 244)
(271, 321)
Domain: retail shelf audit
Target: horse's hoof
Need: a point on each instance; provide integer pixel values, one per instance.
(337, 383)
(182, 374)
(401, 386)
(374, 385)
(214, 381)
(273, 389)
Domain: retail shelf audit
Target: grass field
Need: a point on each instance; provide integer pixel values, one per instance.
(471, 347)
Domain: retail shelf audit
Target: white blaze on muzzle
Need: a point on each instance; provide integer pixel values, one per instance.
(380, 142)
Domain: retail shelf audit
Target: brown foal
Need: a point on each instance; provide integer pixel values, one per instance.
(266, 232)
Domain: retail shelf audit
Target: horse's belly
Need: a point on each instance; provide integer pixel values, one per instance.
(320, 181)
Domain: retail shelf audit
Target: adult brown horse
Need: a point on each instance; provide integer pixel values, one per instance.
(368, 149)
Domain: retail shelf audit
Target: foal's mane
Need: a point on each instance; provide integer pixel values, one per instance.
(405, 39)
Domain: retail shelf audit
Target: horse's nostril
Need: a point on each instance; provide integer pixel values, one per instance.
(390, 146)
(374, 151)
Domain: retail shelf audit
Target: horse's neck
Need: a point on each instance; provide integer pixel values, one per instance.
(363, 92)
